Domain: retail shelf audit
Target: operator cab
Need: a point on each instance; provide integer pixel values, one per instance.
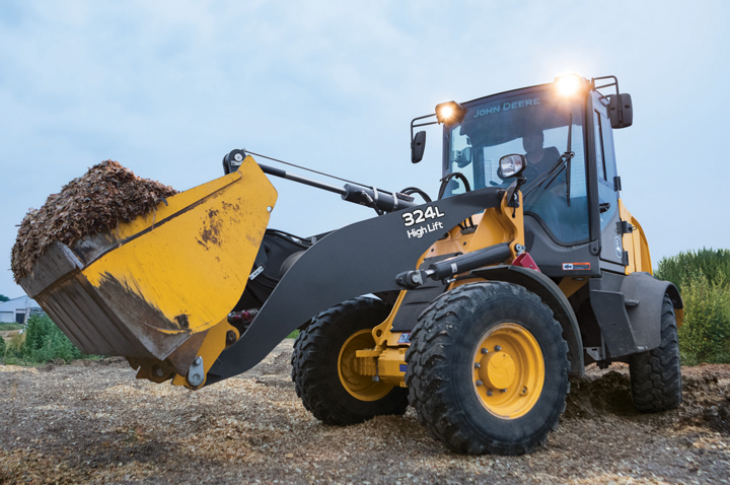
(571, 194)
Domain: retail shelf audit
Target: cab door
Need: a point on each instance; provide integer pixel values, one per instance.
(612, 254)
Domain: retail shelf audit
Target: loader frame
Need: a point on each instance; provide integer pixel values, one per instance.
(126, 293)
(620, 305)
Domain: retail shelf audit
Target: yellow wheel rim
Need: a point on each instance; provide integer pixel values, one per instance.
(509, 371)
(359, 386)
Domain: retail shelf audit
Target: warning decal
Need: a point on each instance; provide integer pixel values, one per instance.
(576, 266)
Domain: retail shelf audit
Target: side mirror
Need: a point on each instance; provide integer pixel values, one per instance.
(512, 165)
(418, 146)
(620, 110)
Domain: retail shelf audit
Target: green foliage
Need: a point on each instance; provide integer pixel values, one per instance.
(14, 347)
(3, 298)
(705, 334)
(2, 346)
(703, 278)
(714, 264)
(44, 341)
(5, 326)
(41, 342)
(294, 334)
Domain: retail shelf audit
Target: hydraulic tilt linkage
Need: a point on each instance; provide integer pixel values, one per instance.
(380, 200)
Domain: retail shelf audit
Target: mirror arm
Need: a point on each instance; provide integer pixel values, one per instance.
(413, 121)
(512, 190)
(413, 138)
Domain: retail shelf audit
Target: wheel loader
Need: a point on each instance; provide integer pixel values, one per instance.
(475, 307)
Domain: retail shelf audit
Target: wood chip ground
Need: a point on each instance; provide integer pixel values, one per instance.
(92, 422)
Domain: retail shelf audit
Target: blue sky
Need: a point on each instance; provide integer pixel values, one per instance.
(168, 87)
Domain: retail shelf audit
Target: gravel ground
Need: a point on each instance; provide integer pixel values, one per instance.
(92, 422)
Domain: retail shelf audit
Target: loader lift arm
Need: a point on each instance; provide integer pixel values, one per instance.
(384, 246)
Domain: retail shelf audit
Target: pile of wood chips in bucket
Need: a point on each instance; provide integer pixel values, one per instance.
(95, 202)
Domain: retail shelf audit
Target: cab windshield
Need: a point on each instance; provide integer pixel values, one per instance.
(534, 122)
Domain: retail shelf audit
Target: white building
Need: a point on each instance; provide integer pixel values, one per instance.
(18, 310)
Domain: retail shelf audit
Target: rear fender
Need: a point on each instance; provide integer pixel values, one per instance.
(628, 310)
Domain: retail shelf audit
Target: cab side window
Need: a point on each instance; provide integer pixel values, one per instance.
(605, 167)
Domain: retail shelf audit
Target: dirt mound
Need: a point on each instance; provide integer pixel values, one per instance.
(705, 394)
(599, 394)
(717, 417)
(95, 202)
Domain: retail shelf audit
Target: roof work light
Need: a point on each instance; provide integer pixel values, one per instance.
(569, 85)
(450, 113)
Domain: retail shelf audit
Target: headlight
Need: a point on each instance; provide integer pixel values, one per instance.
(511, 165)
(450, 113)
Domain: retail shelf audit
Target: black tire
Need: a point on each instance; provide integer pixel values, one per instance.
(656, 375)
(441, 366)
(315, 365)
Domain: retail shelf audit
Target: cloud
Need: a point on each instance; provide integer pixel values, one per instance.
(169, 87)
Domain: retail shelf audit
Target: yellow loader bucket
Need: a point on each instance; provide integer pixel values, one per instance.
(152, 289)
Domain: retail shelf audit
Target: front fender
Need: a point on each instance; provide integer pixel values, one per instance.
(553, 297)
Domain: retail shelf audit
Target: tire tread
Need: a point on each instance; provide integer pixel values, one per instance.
(313, 381)
(428, 372)
(656, 375)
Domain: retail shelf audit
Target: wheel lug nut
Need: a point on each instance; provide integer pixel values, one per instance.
(477, 365)
(497, 348)
(503, 390)
(484, 351)
(479, 383)
(489, 392)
